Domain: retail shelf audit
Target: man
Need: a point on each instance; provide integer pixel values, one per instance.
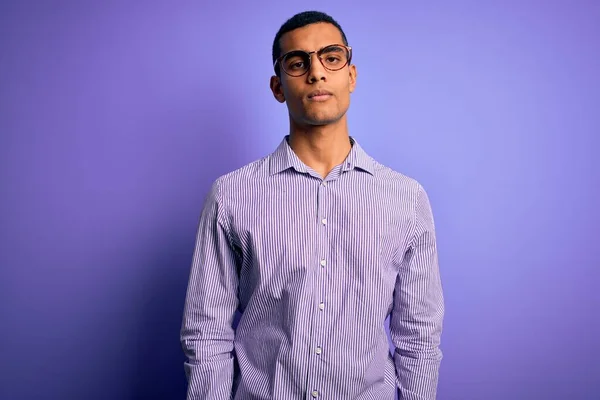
(315, 244)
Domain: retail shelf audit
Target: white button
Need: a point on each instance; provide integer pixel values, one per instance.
(315, 394)
(324, 183)
(323, 263)
(321, 306)
(324, 221)
(318, 350)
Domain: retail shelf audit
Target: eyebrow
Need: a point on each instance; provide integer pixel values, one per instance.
(330, 50)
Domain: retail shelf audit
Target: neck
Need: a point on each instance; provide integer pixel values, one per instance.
(322, 148)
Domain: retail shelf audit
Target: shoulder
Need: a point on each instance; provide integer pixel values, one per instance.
(405, 194)
(397, 181)
(234, 183)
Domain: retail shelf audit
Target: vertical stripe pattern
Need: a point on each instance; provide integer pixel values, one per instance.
(315, 266)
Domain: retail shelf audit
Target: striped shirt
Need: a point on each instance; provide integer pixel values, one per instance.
(314, 266)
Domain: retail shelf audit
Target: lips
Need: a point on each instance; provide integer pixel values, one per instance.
(319, 94)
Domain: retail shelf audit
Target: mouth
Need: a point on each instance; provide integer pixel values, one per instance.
(319, 95)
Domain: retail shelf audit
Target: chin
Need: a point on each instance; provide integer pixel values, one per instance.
(318, 119)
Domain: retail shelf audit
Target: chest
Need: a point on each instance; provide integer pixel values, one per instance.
(346, 234)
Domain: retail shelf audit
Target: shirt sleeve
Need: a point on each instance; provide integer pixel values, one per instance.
(418, 310)
(211, 301)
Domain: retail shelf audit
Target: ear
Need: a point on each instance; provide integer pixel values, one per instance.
(352, 74)
(277, 89)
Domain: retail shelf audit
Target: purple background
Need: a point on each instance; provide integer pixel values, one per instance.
(115, 119)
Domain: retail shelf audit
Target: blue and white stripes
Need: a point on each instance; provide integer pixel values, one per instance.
(315, 266)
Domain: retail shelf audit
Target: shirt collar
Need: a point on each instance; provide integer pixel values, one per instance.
(284, 157)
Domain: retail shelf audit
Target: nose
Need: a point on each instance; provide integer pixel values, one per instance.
(316, 71)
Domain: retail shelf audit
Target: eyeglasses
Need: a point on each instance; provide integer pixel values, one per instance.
(297, 62)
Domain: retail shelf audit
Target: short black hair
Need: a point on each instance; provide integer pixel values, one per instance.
(298, 21)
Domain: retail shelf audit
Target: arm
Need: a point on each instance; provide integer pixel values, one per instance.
(211, 301)
(418, 310)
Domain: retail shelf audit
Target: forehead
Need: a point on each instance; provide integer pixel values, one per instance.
(311, 37)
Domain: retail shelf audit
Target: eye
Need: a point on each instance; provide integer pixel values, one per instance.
(296, 65)
(294, 62)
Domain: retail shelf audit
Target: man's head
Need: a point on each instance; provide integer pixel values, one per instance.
(311, 56)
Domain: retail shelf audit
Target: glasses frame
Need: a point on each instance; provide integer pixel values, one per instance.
(309, 54)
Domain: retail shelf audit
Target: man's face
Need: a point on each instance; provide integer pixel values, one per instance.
(297, 92)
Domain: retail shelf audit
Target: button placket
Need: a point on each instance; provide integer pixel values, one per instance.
(320, 279)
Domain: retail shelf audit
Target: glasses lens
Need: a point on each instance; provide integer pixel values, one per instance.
(295, 63)
(334, 57)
